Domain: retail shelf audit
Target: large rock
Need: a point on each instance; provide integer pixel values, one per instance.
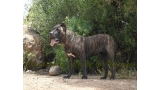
(32, 49)
(55, 70)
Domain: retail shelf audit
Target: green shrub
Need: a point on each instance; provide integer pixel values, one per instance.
(118, 18)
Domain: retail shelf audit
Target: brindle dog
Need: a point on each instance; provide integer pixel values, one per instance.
(80, 47)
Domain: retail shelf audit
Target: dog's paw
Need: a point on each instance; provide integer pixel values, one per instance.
(103, 77)
(66, 77)
(112, 78)
(84, 77)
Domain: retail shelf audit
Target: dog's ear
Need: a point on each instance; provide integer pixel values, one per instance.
(64, 26)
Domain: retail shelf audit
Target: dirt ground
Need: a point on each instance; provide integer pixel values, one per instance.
(37, 81)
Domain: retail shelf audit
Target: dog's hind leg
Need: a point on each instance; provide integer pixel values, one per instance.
(111, 57)
(112, 70)
(103, 58)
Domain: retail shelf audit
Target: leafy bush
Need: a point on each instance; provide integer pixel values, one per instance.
(79, 26)
(118, 18)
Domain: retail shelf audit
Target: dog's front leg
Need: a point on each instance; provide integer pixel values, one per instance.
(70, 68)
(83, 60)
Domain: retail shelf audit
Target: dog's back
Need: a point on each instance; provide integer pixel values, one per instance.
(97, 43)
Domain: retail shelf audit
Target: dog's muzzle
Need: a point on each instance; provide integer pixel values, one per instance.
(53, 39)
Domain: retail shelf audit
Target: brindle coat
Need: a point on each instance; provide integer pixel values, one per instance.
(80, 47)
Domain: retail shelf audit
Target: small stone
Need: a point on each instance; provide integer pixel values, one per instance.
(55, 70)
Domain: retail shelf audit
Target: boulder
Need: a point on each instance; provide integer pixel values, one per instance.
(55, 70)
(33, 56)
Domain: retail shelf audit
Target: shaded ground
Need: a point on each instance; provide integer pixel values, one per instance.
(34, 81)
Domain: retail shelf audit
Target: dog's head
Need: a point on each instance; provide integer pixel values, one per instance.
(57, 33)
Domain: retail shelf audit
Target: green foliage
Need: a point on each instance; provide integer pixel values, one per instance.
(29, 61)
(118, 18)
(127, 73)
(78, 25)
(30, 55)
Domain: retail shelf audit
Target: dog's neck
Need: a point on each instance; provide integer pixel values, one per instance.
(69, 37)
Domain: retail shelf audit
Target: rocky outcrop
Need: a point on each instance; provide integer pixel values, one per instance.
(55, 70)
(33, 55)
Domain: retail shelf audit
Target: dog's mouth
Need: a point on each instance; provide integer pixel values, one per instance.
(53, 41)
